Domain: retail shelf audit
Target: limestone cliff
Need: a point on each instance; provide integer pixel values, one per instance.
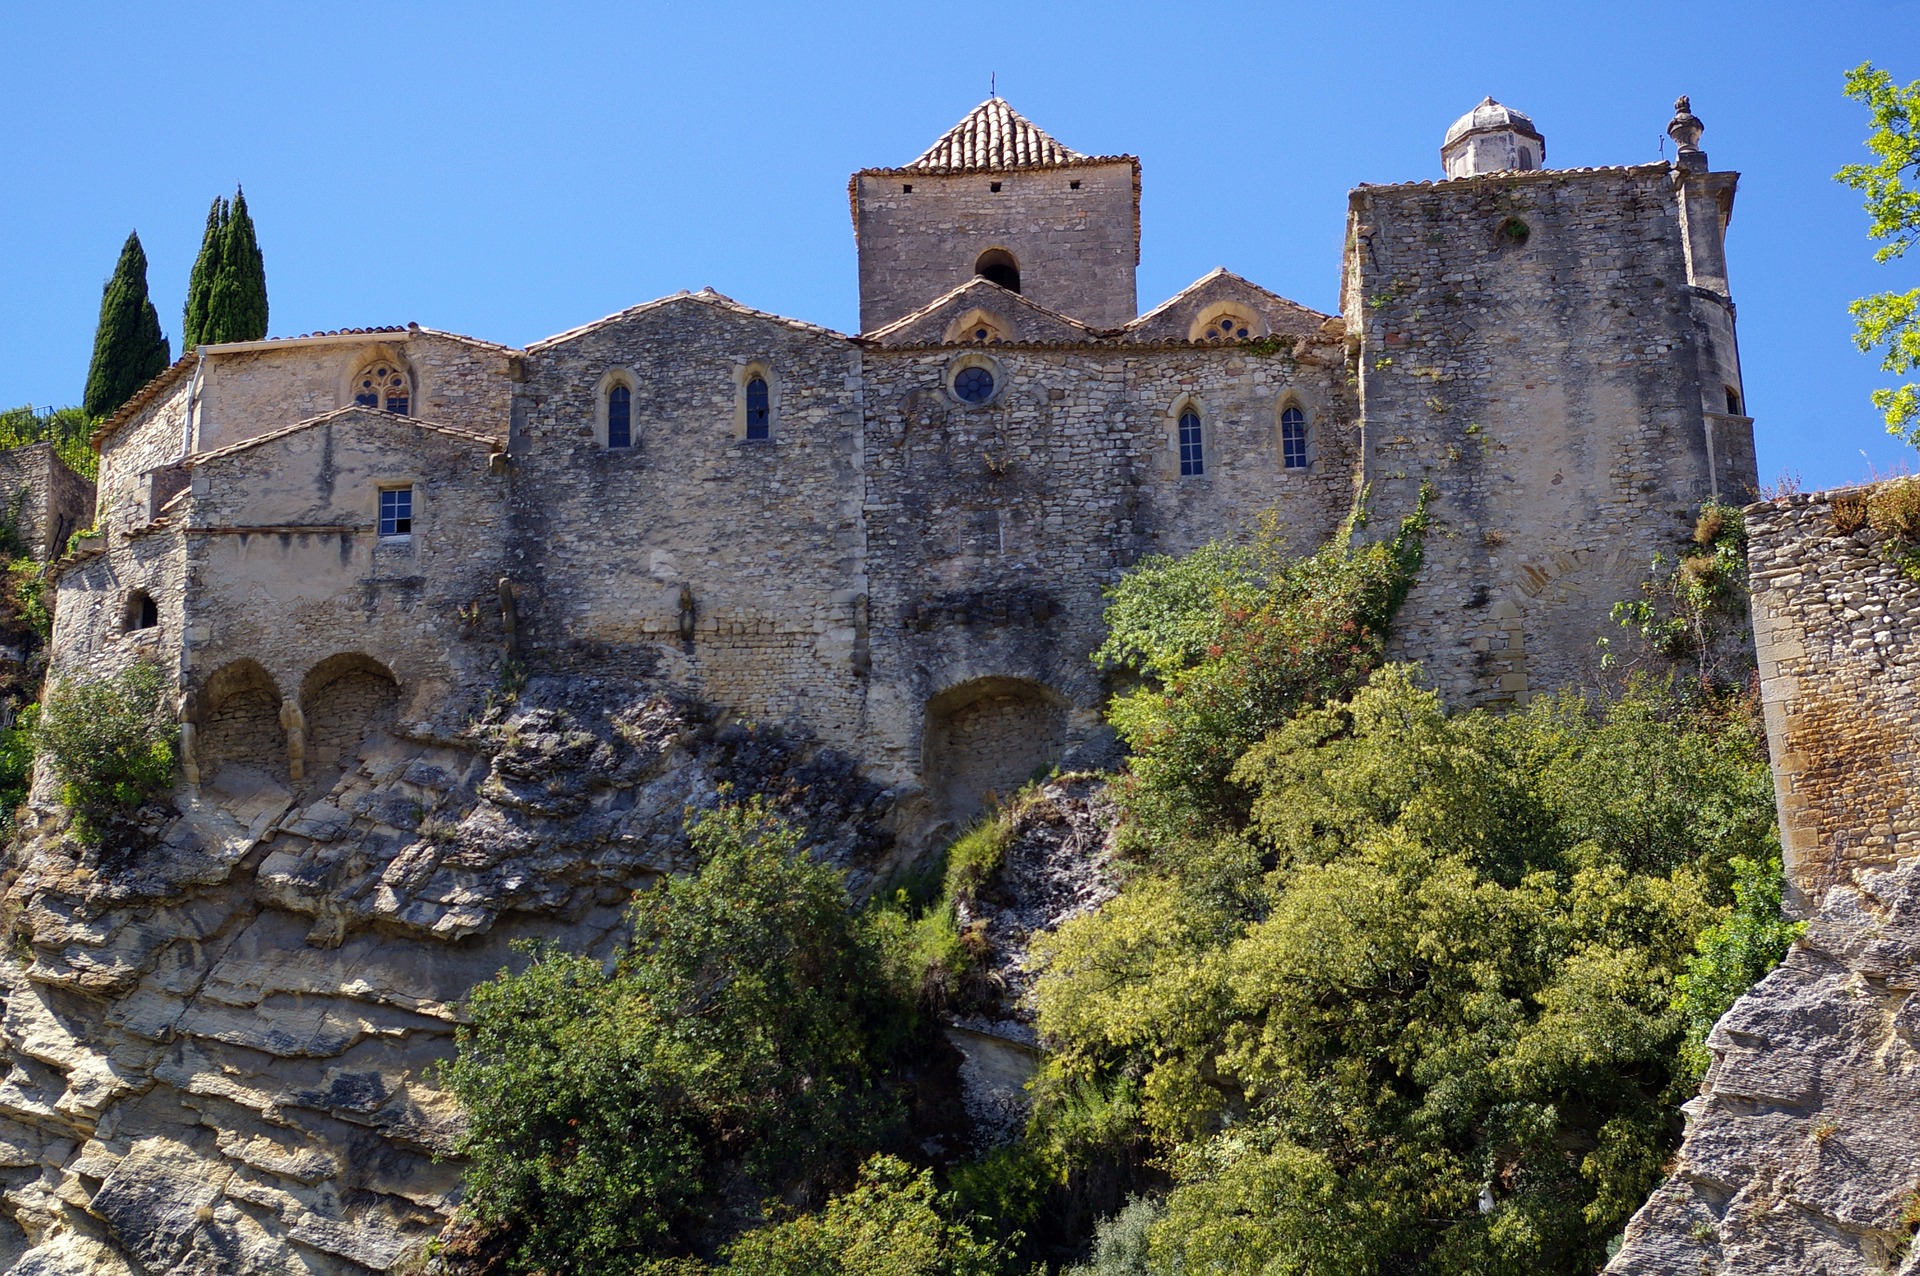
(220, 1044)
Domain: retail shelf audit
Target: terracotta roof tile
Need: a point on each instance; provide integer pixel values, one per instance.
(993, 138)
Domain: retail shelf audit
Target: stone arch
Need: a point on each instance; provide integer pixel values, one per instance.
(240, 722)
(344, 699)
(1227, 320)
(998, 266)
(985, 738)
(978, 326)
(381, 377)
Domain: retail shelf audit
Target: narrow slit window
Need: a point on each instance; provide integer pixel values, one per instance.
(759, 409)
(619, 417)
(396, 511)
(1733, 401)
(1191, 459)
(1293, 439)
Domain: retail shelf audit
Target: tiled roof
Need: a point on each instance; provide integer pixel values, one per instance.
(142, 397)
(993, 138)
(705, 297)
(351, 410)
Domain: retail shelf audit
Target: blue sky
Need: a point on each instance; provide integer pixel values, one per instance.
(514, 170)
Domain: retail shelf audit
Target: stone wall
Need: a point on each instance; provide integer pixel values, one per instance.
(1074, 230)
(46, 501)
(1800, 1153)
(1538, 347)
(1836, 627)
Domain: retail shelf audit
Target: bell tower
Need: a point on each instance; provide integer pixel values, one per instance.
(1492, 138)
(998, 198)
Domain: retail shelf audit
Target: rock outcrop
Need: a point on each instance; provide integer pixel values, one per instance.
(220, 1044)
(1801, 1152)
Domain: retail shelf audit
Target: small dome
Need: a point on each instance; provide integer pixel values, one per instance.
(1488, 117)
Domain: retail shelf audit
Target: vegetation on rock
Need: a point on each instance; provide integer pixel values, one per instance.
(738, 1048)
(129, 349)
(108, 740)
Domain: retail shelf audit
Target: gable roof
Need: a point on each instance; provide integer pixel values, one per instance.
(705, 297)
(914, 328)
(493, 442)
(1283, 314)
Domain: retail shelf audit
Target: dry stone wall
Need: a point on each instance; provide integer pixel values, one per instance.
(46, 501)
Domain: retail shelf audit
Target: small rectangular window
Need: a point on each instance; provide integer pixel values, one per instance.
(994, 187)
(1074, 185)
(396, 511)
(906, 188)
(1733, 401)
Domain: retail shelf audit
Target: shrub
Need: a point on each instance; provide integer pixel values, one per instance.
(1893, 510)
(892, 1223)
(739, 1043)
(1693, 608)
(1732, 955)
(16, 764)
(109, 740)
(1120, 1242)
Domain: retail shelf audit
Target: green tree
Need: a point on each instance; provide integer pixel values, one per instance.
(892, 1223)
(206, 269)
(1890, 319)
(740, 1043)
(1232, 642)
(227, 292)
(70, 430)
(128, 347)
(1416, 1012)
(1732, 955)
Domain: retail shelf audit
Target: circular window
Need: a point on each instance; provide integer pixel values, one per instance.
(973, 385)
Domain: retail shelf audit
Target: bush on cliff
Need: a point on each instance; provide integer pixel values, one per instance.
(109, 740)
(738, 1048)
(1233, 641)
(1415, 1012)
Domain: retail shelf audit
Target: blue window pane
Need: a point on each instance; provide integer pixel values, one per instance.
(974, 385)
(367, 399)
(1191, 460)
(619, 417)
(1293, 439)
(397, 404)
(759, 414)
(396, 511)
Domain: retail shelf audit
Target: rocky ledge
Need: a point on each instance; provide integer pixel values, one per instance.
(220, 1044)
(1801, 1152)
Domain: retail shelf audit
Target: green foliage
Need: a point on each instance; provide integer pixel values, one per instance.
(109, 740)
(1732, 955)
(1121, 1243)
(1890, 319)
(1893, 510)
(740, 1042)
(1235, 642)
(892, 1223)
(16, 764)
(227, 291)
(70, 431)
(1437, 959)
(1693, 608)
(129, 349)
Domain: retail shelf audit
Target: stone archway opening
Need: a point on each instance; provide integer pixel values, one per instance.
(986, 738)
(343, 700)
(240, 722)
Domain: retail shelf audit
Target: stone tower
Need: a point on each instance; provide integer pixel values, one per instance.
(997, 197)
(1492, 138)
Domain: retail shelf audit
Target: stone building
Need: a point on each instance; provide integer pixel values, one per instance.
(898, 539)
(44, 501)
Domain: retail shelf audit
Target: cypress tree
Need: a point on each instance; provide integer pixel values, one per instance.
(128, 347)
(237, 306)
(206, 267)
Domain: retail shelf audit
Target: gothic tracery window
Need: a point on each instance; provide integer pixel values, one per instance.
(383, 385)
(1228, 327)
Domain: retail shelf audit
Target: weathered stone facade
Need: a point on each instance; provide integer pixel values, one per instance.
(1800, 1153)
(43, 499)
(890, 546)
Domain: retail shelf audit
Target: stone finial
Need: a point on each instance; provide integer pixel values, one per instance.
(1685, 129)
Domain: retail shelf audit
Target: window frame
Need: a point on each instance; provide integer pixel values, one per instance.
(1293, 407)
(612, 379)
(760, 431)
(382, 519)
(744, 372)
(1190, 464)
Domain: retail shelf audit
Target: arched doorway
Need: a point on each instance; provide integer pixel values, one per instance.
(986, 738)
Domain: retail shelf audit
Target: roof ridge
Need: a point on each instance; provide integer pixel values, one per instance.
(993, 137)
(456, 431)
(930, 307)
